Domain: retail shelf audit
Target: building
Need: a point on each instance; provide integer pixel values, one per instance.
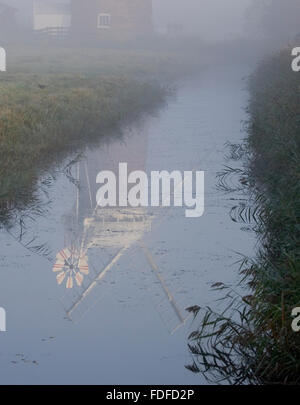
(51, 17)
(112, 19)
(94, 19)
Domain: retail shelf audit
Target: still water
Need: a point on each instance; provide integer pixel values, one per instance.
(131, 273)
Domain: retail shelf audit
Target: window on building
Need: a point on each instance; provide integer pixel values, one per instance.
(104, 20)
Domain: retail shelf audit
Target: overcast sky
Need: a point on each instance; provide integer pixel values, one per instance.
(212, 19)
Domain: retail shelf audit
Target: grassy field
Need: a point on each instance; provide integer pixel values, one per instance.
(58, 100)
(159, 62)
(40, 125)
(253, 340)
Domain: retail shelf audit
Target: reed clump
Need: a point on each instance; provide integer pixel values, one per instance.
(252, 340)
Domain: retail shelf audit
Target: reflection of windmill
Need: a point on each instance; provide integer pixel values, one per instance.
(169, 298)
(165, 306)
(70, 265)
(116, 230)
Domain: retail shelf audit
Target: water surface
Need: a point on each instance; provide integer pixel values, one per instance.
(140, 268)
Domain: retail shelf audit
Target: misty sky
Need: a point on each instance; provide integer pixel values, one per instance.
(212, 19)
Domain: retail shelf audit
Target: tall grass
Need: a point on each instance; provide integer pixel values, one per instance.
(252, 340)
(53, 108)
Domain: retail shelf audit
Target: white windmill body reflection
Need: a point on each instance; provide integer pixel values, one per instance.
(108, 234)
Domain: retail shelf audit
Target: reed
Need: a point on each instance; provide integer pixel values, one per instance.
(252, 340)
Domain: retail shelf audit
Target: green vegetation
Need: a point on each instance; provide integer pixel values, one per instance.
(59, 101)
(39, 125)
(85, 61)
(252, 340)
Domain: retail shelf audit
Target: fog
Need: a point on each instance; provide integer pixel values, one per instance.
(211, 20)
(96, 274)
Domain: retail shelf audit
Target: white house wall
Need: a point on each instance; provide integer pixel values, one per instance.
(42, 21)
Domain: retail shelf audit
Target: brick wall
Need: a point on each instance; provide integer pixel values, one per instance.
(127, 17)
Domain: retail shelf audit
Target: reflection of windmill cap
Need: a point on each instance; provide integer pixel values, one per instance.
(116, 227)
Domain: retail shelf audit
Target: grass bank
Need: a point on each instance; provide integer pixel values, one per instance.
(40, 123)
(58, 98)
(252, 341)
(58, 101)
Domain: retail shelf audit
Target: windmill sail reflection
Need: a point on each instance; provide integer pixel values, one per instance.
(96, 239)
